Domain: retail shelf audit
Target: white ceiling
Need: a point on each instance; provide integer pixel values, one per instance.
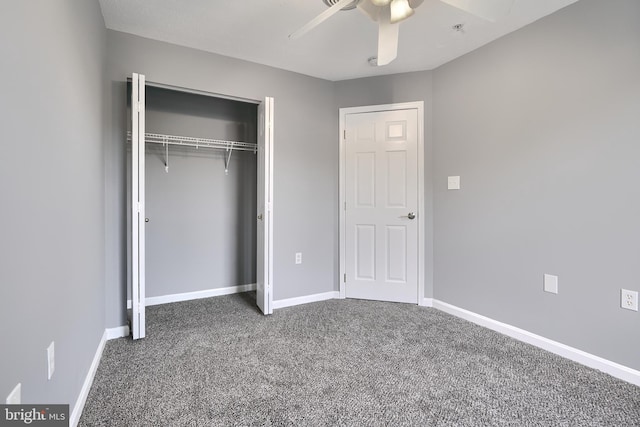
(257, 31)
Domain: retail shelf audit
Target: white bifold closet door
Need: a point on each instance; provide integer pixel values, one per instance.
(137, 206)
(264, 259)
(264, 229)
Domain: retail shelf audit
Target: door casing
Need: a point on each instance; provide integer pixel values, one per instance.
(419, 106)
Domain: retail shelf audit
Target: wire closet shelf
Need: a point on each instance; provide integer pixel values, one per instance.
(190, 141)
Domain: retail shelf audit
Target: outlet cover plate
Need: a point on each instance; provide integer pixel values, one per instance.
(298, 257)
(629, 299)
(51, 360)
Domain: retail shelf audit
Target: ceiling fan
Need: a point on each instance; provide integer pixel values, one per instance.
(388, 14)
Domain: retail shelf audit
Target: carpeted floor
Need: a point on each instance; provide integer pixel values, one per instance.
(219, 362)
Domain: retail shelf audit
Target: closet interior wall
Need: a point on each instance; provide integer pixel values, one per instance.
(201, 233)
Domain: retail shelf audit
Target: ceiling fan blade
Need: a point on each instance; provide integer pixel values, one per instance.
(387, 37)
(320, 19)
(491, 10)
(415, 3)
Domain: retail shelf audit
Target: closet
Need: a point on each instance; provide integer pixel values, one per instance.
(200, 196)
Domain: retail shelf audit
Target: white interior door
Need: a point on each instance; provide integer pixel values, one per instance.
(381, 196)
(137, 206)
(264, 269)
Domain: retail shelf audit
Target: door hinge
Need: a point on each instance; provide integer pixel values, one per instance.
(345, 206)
(344, 134)
(345, 277)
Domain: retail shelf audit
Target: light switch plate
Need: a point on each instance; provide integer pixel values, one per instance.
(551, 283)
(453, 183)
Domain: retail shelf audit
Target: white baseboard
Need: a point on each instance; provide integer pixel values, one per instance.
(612, 368)
(88, 381)
(119, 332)
(426, 302)
(305, 299)
(165, 299)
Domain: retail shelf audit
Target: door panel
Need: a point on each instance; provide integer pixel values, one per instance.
(264, 269)
(381, 194)
(137, 206)
(396, 247)
(396, 179)
(365, 252)
(366, 183)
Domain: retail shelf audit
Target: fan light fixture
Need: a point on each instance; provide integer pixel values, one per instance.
(400, 10)
(380, 2)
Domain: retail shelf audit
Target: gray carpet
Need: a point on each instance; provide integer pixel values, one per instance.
(219, 362)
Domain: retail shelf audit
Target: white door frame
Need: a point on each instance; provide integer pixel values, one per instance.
(419, 106)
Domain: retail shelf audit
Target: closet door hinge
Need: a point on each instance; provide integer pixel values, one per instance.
(345, 206)
(345, 277)
(344, 134)
(139, 106)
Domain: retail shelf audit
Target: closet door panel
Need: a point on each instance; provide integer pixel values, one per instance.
(137, 206)
(264, 270)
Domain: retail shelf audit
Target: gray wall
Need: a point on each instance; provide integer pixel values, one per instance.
(201, 233)
(52, 192)
(543, 126)
(306, 158)
(398, 88)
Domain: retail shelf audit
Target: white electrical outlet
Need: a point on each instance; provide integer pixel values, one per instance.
(551, 283)
(51, 360)
(14, 397)
(629, 299)
(298, 257)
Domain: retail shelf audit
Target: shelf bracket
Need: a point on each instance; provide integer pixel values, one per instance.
(166, 157)
(227, 159)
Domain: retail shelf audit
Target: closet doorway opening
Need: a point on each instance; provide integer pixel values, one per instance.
(201, 191)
